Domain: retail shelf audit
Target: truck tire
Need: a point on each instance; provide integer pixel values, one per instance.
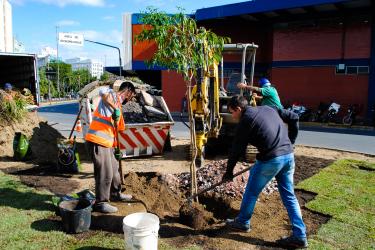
(250, 155)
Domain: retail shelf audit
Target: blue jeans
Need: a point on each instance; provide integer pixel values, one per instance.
(282, 168)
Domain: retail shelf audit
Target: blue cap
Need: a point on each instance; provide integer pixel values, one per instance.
(264, 82)
(8, 86)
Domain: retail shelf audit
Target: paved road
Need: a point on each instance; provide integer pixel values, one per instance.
(62, 117)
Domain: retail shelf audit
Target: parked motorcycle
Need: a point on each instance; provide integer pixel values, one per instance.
(333, 109)
(302, 112)
(317, 115)
(349, 118)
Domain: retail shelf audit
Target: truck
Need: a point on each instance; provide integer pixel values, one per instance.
(20, 70)
(139, 138)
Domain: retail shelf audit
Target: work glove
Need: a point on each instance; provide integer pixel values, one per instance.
(116, 115)
(228, 176)
(118, 154)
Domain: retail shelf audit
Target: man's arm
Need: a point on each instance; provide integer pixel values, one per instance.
(242, 85)
(239, 145)
(108, 100)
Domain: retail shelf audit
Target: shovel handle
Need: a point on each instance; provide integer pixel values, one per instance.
(119, 160)
(217, 184)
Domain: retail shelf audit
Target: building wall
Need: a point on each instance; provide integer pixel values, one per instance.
(142, 50)
(6, 27)
(311, 85)
(174, 89)
(310, 80)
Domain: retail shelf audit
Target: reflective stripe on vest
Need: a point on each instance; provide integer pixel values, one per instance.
(102, 131)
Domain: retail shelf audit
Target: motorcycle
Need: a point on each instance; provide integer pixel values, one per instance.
(302, 112)
(333, 109)
(319, 113)
(350, 117)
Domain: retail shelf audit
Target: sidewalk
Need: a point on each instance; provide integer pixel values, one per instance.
(43, 104)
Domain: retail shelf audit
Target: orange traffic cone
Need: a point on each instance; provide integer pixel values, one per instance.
(78, 127)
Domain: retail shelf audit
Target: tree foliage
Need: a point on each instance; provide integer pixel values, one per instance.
(181, 44)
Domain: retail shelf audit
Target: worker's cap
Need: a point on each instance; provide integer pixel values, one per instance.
(8, 86)
(264, 82)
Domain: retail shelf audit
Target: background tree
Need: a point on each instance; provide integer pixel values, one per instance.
(184, 47)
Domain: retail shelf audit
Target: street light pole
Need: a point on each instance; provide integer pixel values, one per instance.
(119, 52)
(58, 64)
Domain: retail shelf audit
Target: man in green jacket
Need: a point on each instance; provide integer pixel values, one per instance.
(269, 95)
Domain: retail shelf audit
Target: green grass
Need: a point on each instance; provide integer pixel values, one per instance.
(25, 222)
(346, 191)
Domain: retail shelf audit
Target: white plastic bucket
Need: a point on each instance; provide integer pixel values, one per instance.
(141, 231)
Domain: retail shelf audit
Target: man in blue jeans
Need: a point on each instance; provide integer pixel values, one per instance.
(263, 128)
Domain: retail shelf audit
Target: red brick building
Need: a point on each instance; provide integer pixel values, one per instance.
(313, 51)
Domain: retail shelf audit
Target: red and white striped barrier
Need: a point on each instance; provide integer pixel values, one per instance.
(143, 140)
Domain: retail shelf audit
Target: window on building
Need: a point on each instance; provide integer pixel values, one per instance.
(352, 70)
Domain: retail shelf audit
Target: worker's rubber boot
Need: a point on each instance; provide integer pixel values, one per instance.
(234, 224)
(121, 197)
(292, 242)
(104, 207)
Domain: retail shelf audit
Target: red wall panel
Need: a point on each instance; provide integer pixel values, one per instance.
(309, 86)
(358, 41)
(142, 50)
(322, 42)
(174, 89)
(306, 44)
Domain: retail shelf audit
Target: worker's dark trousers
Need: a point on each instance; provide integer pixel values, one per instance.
(107, 177)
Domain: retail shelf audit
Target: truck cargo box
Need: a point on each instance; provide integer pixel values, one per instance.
(138, 139)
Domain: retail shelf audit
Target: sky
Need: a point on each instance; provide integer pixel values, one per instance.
(35, 22)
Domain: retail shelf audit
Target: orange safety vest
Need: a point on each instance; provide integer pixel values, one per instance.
(102, 131)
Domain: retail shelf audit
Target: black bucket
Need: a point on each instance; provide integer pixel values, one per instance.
(76, 215)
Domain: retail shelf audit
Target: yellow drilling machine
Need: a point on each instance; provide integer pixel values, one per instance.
(213, 123)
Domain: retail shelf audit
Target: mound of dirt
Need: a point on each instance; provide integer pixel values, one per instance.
(153, 191)
(194, 215)
(42, 137)
(9, 129)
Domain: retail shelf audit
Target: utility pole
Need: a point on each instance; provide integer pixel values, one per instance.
(58, 63)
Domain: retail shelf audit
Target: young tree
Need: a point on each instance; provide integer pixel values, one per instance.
(184, 47)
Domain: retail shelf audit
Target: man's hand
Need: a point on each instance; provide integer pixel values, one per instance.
(241, 85)
(118, 154)
(116, 115)
(228, 176)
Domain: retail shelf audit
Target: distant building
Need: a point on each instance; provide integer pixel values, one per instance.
(45, 55)
(48, 51)
(6, 32)
(95, 67)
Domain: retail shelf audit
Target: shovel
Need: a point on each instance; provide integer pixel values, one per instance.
(192, 197)
(119, 160)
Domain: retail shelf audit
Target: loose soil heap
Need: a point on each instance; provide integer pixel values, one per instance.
(42, 138)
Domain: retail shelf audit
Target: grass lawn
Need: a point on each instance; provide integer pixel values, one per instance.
(25, 222)
(346, 191)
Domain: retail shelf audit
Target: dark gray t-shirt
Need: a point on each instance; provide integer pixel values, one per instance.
(263, 128)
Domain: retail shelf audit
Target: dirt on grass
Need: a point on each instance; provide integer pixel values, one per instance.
(152, 182)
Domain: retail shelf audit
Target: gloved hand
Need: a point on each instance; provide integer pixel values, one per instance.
(227, 176)
(116, 115)
(118, 154)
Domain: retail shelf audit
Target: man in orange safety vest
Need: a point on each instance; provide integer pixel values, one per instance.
(101, 143)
